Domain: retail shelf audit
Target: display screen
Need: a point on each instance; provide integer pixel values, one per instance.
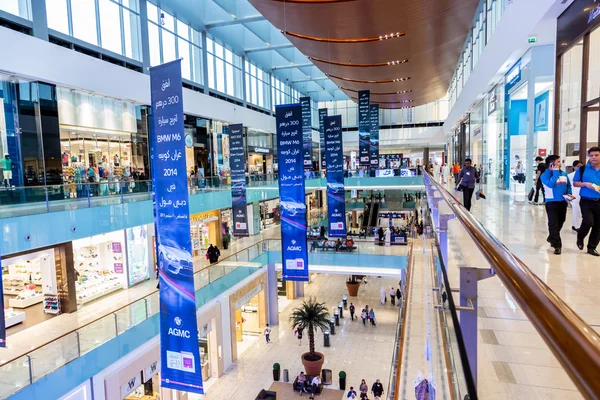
(138, 264)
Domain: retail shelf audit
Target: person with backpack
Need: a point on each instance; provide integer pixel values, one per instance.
(587, 178)
(557, 190)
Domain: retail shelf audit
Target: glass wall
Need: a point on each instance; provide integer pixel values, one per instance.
(282, 93)
(20, 8)
(170, 39)
(257, 86)
(111, 24)
(224, 69)
(570, 103)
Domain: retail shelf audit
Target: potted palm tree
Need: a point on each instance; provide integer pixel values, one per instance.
(353, 284)
(311, 315)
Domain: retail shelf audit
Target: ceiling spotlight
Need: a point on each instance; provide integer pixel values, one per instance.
(392, 35)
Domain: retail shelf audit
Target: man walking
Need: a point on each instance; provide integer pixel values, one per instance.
(467, 178)
(393, 296)
(575, 202)
(588, 179)
(557, 185)
(352, 309)
(541, 167)
(268, 333)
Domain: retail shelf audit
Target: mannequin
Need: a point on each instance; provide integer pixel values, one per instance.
(6, 164)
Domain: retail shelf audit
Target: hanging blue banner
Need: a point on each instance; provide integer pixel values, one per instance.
(237, 157)
(364, 127)
(2, 320)
(336, 207)
(322, 114)
(179, 352)
(306, 132)
(374, 140)
(291, 192)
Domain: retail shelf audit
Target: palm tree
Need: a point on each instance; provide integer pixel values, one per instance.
(310, 316)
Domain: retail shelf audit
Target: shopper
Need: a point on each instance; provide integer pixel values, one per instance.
(393, 296)
(576, 223)
(587, 178)
(363, 315)
(519, 174)
(377, 389)
(382, 295)
(351, 393)
(455, 172)
(363, 388)
(445, 173)
(372, 317)
(302, 382)
(315, 383)
(467, 179)
(268, 333)
(557, 183)
(398, 296)
(213, 254)
(352, 309)
(540, 169)
(298, 333)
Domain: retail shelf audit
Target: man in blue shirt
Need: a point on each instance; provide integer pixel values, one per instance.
(467, 179)
(588, 179)
(556, 186)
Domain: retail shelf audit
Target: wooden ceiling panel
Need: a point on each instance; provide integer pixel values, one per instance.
(431, 40)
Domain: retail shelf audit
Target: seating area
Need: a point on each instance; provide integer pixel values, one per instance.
(331, 245)
(307, 388)
(266, 395)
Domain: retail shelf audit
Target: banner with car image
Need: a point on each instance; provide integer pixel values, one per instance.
(237, 156)
(179, 352)
(291, 192)
(364, 127)
(374, 139)
(336, 208)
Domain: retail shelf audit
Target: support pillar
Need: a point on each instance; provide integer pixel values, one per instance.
(299, 286)
(39, 19)
(425, 162)
(144, 39)
(272, 296)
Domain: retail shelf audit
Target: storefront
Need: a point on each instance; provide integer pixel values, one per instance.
(578, 64)
(248, 313)
(260, 162)
(494, 136)
(37, 285)
(528, 92)
(477, 141)
(205, 230)
(269, 213)
(100, 266)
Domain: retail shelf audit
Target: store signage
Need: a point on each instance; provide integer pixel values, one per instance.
(150, 371)
(248, 296)
(260, 150)
(374, 139)
(540, 113)
(580, 17)
(205, 217)
(179, 351)
(384, 173)
(322, 114)
(205, 329)
(291, 192)
(116, 247)
(118, 268)
(336, 207)
(364, 127)
(237, 157)
(492, 102)
(306, 132)
(133, 383)
(513, 77)
(189, 141)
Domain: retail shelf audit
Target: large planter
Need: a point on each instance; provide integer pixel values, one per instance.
(313, 368)
(353, 288)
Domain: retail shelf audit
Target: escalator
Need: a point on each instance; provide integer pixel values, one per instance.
(374, 215)
(367, 214)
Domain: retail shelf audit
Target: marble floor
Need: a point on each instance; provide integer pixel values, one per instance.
(514, 361)
(361, 351)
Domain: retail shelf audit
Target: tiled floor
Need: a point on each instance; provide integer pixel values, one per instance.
(361, 351)
(514, 362)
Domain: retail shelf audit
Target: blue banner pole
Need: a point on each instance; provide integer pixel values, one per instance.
(237, 158)
(306, 132)
(322, 114)
(336, 207)
(364, 127)
(291, 192)
(374, 139)
(179, 351)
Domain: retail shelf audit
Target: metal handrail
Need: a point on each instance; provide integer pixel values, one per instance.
(573, 342)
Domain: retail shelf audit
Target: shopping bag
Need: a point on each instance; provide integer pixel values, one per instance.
(530, 195)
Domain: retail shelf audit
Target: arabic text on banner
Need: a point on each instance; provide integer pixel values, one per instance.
(237, 157)
(334, 144)
(374, 140)
(306, 132)
(364, 127)
(322, 114)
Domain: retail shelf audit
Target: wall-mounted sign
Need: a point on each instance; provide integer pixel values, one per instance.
(582, 16)
(189, 141)
(513, 77)
(259, 150)
(132, 383)
(150, 371)
(205, 329)
(492, 102)
(205, 217)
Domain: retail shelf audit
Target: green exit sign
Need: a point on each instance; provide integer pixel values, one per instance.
(532, 39)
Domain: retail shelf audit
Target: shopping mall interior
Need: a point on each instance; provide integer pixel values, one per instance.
(267, 199)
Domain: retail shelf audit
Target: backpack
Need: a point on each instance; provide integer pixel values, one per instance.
(581, 172)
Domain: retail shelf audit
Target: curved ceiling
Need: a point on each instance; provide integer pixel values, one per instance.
(404, 51)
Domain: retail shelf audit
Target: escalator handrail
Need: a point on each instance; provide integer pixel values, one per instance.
(574, 343)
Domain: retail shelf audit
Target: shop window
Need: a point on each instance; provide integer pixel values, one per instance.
(593, 83)
(570, 103)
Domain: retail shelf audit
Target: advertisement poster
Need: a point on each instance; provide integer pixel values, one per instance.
(322, 114)
(541, 112)
(334, 145)
(291, 192)
(2, 314)
(138, 264)
(306, 132)
(179, 352)
(374, 140)
(237, 157)
(364, 127)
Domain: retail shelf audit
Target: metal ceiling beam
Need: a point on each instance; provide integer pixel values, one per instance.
(267, 48)
(278, 67)
(257, 18)
(321, 78)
